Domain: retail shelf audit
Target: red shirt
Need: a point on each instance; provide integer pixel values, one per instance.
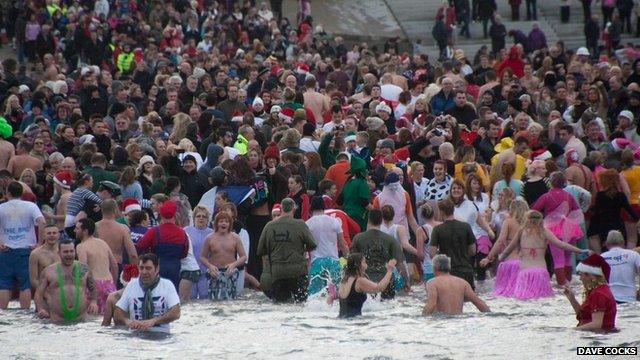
(349, 226)
(599, 299)
(169, 233)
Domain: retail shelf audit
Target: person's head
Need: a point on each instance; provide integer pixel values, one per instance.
(609, 181)
(296, 184)
(457, 191)
(222, 222)
(149, 267)
(375, 218)
(317, 205)
(287, 207)
(356, 266)
(128, 176)
(388, 213)
(460, 98)
(558, 180)
(518, 209)
(447, 85)
(565, 133)
(440, 170)
(417, 170)
(109, 208)
(615, 239)
(533, 221)
(67, 251)
(327, 187)
(14, 190)
(441, 264)
(445, 206)
(51, 233)
(84, 228)
(593, 271)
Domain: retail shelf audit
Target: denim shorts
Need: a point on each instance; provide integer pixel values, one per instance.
(193, 276)
(14, 268)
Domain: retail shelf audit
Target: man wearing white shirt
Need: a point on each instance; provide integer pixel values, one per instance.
(308, 142)
(625, 264)
(149, 302)
(18, 220)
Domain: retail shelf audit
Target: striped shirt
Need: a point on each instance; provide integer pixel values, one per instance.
(78, 199)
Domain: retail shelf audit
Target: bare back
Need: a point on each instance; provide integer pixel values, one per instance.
(511, 226)
(18, 163)
(449, 291)
(97, 254)
(7, 151)
(115, 235)
(221, 249)
(533, 246)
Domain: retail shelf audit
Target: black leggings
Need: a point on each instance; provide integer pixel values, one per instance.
(289, 290)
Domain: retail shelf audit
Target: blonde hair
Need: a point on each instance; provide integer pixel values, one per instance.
(200, 209)
(533, 222)
(186, 145)
(179, 131)
(518, 209)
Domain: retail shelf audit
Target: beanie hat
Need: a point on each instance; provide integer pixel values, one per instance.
(391, 178)
(626, 114)
(145, 159)
(272, 152)
(594, 265)
(63, 178)
(258, 101)
(168, 209)
(129, 205)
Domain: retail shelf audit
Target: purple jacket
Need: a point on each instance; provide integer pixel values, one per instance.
(536, 40)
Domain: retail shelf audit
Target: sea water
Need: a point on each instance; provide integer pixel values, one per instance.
(254, 328)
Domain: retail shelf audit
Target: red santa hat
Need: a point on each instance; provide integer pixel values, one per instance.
(63, 178)
(594, 265)
(129, 271)
(620, 144)
(302, 68)
(286, 115)
(129, 205)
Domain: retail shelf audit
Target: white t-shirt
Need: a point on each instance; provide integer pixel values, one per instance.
(189, 263)
(17, 223)
(164, 296)
(468, 212)
(625, 264)
(325, 230)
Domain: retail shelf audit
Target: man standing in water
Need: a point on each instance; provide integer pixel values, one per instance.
(223, 255)
(63, 283)
(116, 235)
(283, 244)
(447, 293)
(149, 302)
(378, 248)
(455, 239)
(44, 255)
(18, 219)
(97, 254)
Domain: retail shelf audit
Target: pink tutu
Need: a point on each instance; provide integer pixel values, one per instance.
(484, 244)
(506, 278)
(532, 283)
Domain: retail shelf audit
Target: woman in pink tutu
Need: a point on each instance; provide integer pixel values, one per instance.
(563, 216)
(533, 279)
(507, 270)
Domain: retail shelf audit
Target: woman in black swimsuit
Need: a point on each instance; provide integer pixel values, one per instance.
(355, 286)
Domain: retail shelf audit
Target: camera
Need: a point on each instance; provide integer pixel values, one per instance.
(437, 132)
(339, 127)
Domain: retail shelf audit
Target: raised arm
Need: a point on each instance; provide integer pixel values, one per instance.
(365, 285)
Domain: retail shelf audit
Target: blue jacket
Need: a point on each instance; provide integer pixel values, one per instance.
(441, 103)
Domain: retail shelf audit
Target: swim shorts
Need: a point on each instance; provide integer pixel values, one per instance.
(222, 287)
(14, 268)
(104, 288)
(193, 276)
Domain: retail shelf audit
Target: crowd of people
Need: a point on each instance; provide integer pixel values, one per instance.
(163, 152)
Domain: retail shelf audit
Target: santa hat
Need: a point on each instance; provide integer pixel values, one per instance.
(286, 115)
(129, 271)
(129, 205)
(276, 207)
(620, 144)
(63, 178)
(572, 156)
(383, 107)
(594, 265)
(302, 68)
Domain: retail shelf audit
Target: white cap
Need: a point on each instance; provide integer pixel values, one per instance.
(627, 114)
(22, 89)
(583, 51)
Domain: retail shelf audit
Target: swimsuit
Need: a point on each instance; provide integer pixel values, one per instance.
(70, 314)
(104, 288)
(352, 305)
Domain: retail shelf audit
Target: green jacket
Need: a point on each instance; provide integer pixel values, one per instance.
(98, 175)
(283, 244)
(327, 155)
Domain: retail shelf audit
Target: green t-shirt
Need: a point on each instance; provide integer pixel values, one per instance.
(283, 244)
(378, 248)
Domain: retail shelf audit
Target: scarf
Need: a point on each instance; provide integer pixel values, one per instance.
(147, 306)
